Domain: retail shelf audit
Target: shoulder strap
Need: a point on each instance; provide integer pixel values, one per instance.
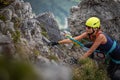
(99, 32)
(92, 38)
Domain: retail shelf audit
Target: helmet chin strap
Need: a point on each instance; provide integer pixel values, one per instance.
(92, 32)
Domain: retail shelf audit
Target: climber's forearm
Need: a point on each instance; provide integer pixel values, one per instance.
(65, 41)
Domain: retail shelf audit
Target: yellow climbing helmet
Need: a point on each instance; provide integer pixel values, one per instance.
(93, 22)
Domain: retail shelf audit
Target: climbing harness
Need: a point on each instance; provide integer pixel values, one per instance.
(112, 48)
(100, 55)
(110, 51)
(106, 56)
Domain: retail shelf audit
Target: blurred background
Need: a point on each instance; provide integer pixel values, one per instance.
(60, 9)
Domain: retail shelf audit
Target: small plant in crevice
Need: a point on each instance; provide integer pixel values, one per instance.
(52, 57)
(4, 3)
(44, 32)
(36, 52)
(2, 17)
(16, 36)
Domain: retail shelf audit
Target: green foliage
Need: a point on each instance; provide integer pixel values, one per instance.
(2, 17)
(52, 57)
(12, 69)
(89, 71)
(4, 3)
(44, 32)
(22, 51)
(36, 52)
(16, 36)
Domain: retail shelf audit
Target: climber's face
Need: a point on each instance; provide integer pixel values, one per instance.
(89, 30)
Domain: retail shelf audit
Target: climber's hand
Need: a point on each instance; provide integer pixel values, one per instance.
(53, 43)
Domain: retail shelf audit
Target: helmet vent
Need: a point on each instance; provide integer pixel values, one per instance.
(96, 23)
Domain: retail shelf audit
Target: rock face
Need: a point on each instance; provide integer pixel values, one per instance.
(51, 26)
(21, 26)
(24, 36)
(107, 10)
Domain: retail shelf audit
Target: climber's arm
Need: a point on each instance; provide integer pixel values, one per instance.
(65, 41)
(99, 40)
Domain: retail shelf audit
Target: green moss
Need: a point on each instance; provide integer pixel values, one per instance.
(44, 32)
(36, 52)
(22, 51)
(2, 17)
(16, 36)
(4, 3)
(52, 57)
(42, 27)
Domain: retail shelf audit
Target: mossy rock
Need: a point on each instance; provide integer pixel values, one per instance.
(52, 57)
(16, 21)
(16, 36)
(4, 3)
(2, 17)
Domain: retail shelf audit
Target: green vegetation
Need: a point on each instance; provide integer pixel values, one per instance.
(36, 52)
(4, 3)
(16, 36)
(2, 17)
(22, 51)
(13, 69)
(44, 32)
(52, 57)
(88, 70)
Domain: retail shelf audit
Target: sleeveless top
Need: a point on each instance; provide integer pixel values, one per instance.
(115, 54)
